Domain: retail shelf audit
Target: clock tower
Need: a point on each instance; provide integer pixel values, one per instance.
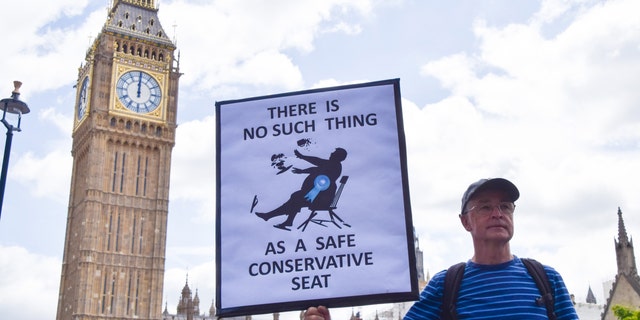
(123, 134)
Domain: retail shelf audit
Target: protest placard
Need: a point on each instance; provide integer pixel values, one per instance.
(313, 201)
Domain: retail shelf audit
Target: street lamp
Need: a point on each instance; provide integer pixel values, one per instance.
(15, 106)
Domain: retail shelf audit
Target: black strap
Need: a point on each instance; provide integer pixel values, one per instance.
(452, 281)
(455, 273)
(536, 270)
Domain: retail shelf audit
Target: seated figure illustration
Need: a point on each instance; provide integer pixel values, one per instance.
(318, 188)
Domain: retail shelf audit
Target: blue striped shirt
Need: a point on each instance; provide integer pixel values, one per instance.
(502, 291)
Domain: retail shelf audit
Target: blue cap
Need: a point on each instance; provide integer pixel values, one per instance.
(490, 184)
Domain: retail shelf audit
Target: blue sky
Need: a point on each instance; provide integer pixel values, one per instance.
(543, 93)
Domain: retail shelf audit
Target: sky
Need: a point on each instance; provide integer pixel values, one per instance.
(543, 93)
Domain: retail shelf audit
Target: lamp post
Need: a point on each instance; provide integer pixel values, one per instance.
(14, 106)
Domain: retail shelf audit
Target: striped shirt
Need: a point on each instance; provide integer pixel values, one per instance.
(502, 291)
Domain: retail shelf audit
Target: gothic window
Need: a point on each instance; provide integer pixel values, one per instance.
(141, 235)
(117, 185)
(120, 24)
(113, 292)
(112, 122)
(144, 128)
(128, 125)
(124, 156)
(108, 293)
(129, 293)
(118, 233)
(104, 294)
(133, 239)
(109, 230)
(137, 297)
(141, 176)
(158, 131)
(144, 181)
(115, 171)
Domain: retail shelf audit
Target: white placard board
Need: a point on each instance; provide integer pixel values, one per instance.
(313, 201)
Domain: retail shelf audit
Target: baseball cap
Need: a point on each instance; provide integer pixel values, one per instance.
(490, 184)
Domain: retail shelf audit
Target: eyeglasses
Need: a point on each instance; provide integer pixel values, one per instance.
(487, 209)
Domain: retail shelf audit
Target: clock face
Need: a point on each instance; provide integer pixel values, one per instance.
(83, 98)
(139, 91)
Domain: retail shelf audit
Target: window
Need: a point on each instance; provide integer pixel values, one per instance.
(141, 236)
(118, 234)
(124, 156)
(133, 237)
(117, 185)
(141, 176)
(109, 229)
(129, 293)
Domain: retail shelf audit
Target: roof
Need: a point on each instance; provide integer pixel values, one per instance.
(137, 22)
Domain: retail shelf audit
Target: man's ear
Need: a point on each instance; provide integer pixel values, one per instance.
(464, 219)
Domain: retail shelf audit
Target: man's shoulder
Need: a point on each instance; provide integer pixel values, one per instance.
(549, 270)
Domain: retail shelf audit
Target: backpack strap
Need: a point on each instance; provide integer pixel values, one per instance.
(536, 270)
(452, 281)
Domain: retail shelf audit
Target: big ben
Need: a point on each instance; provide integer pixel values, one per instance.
(123, 135)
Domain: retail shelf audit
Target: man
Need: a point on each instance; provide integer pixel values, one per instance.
(496, 284)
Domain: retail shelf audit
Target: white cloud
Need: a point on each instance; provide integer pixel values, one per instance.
(46, 40)
(28, 278)
(48, 177)
(540, 110)
(245, 40)
(193, 165)
(61, 121)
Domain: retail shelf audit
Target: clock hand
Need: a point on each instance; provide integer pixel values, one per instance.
(139, 83)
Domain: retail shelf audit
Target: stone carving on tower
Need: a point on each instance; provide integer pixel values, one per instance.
(123, 135)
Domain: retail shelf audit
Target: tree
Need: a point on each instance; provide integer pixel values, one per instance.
(624, 313)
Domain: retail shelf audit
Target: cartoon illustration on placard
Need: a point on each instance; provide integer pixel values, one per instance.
(319, 190)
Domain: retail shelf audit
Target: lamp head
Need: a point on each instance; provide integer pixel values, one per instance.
(13, 104)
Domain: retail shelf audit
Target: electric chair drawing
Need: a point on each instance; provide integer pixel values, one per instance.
(333, 216)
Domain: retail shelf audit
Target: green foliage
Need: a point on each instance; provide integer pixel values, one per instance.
(624, 313)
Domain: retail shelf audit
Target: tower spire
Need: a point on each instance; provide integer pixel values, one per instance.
(624, 249)
(150, 4)
(591, 298)
(622, 231)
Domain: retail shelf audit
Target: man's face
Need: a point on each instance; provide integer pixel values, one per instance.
(488, 225)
